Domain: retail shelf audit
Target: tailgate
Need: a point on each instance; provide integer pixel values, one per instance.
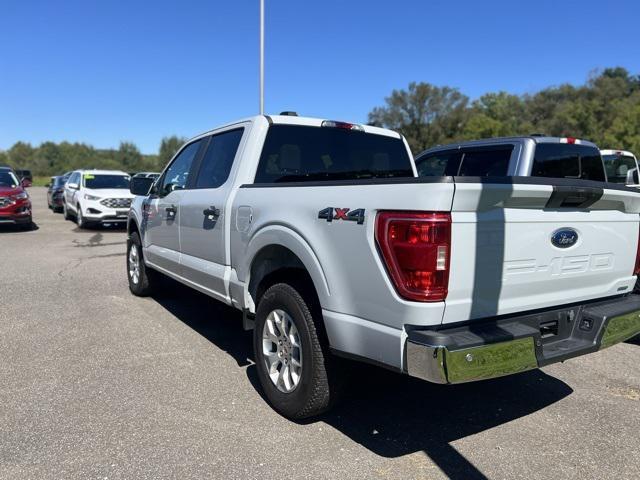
(521, 244)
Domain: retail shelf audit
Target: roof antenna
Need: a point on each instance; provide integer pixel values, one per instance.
(261, 57)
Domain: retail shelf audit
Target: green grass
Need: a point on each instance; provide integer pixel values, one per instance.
(41, 181)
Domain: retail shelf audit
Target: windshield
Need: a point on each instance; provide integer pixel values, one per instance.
(617, 166)
(294, 153)
(96, 182)
(8, 179)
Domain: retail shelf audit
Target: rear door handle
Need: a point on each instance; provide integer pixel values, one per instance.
(211, 213)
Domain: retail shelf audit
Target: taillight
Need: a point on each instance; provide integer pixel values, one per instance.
(636, 270)
(416, 248)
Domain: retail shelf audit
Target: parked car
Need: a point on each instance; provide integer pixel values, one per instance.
(321, 234)
(26, 176)
(15, 204)
(535, 156)
(621, 167)
(97, 197)
(65, 176)
(55, 193)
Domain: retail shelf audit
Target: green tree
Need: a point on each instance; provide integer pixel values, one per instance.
(21, 155)
(624, 132)
(128, 157)
(424, 113)
(496, 115)
(168, 148)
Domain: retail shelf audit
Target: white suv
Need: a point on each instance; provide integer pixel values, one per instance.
(97, 196)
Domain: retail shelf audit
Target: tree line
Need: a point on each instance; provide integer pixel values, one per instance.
(51, 158)
(605, 110)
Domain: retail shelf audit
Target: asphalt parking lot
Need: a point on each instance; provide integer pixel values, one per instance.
(98, 384)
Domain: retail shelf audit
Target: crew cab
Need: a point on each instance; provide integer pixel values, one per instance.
(97, 197)
(535, 155)
(326, 239)
(15, 204)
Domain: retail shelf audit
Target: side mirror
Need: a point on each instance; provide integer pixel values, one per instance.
(632, 177)
(24, 183)
(73, 186)
(141, 185)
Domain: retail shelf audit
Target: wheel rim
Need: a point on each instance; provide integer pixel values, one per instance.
(281, 351)
(134, 265)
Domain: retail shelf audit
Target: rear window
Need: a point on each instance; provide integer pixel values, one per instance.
(617, 167)
(294, 153)
(561, 160)
(475, 162)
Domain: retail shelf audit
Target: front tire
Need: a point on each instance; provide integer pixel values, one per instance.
(82, 223)
(142, 280)
(65, 211)
(297, 373)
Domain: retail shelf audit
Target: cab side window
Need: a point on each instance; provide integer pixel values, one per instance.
(486, 162)
(176, 176)
(439, 164)
(218, 160)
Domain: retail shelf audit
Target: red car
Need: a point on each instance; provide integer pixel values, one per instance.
(15, 205)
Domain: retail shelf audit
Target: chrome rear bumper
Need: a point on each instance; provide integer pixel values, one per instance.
(499, 347)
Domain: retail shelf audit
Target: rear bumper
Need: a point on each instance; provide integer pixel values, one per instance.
(499, 347)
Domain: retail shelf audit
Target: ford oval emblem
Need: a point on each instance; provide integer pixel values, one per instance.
(564, 238)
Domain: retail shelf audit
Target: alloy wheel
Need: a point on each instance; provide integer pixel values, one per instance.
(134, 264)
(281, 350)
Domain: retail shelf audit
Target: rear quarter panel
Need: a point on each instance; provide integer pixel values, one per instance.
(354, 279)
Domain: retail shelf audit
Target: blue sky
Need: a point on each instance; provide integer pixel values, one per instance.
(104, 71)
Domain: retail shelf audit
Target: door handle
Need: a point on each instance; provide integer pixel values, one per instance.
(212, 213)
(171, 211)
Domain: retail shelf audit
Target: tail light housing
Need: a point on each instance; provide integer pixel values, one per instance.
(416, 249)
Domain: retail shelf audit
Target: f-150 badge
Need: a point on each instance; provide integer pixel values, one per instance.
(332, 213)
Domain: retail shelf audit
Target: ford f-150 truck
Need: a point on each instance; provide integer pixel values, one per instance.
(323, 234)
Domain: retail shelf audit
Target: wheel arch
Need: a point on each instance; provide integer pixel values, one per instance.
(277, 253)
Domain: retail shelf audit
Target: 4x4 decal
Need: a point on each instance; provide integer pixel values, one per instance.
(331, 213)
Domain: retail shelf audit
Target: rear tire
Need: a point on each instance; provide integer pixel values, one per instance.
(295, 391)
(143, 281)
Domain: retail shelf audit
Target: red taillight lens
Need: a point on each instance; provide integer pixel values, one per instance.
(636, 270)
(416, 247)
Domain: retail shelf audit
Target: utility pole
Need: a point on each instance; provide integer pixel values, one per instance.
(261, 57)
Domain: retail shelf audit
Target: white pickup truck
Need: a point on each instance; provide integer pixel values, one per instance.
(324, 236)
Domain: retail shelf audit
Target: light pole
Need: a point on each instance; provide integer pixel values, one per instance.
(261, 57)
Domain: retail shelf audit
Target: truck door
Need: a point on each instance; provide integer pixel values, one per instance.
(204, 222)
(161, 233)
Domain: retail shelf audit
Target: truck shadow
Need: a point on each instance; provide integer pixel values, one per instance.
(390, 414)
